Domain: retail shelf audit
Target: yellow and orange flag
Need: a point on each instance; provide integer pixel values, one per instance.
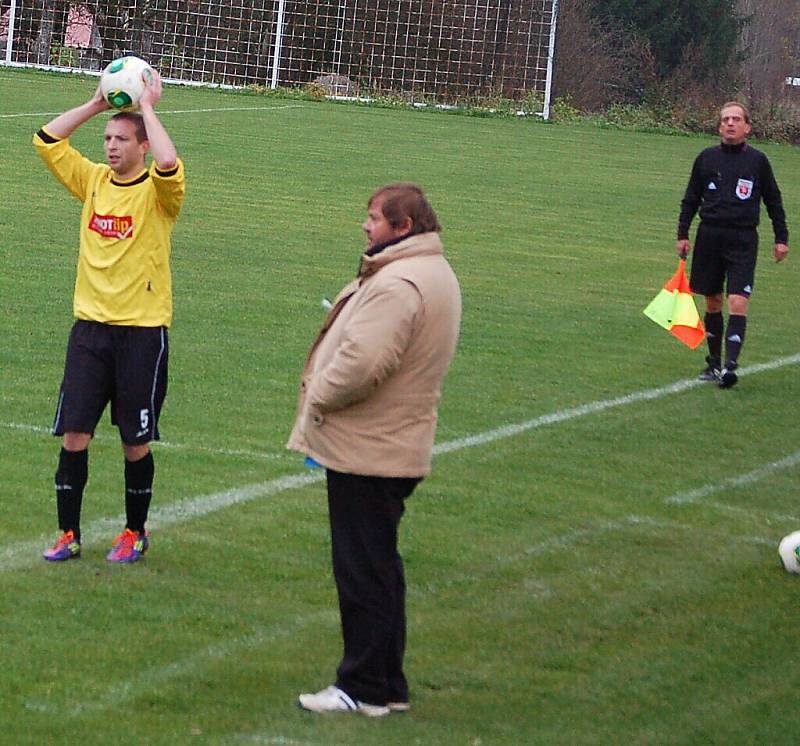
(674, 309)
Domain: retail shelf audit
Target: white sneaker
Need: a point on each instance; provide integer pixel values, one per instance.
(334, 699)
(398, 706)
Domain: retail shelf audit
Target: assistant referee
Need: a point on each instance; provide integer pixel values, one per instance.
(727, 184)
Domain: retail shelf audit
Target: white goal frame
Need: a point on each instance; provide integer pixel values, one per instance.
(460, 52)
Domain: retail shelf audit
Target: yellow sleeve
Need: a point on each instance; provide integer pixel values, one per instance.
(67, 164)
(170, 187)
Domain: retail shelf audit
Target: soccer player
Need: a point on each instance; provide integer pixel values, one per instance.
(118, 348)
(367, 413)
(727, 184)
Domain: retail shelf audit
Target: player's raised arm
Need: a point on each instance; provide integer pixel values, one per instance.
(161, 146)
(118, 349)
(65, 124)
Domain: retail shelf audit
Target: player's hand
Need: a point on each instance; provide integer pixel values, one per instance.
(682, 247)
(98, 100)
(781, 250)
(152, 90)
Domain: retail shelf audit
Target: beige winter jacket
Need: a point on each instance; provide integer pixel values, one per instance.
(371, 384)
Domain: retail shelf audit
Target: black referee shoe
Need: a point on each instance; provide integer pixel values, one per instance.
(712, 371)
(727, 377)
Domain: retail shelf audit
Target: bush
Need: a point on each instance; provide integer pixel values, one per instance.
(562, 110)
(780, 121)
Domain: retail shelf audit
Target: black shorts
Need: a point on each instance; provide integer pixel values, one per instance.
(124, 365)
(724, 254)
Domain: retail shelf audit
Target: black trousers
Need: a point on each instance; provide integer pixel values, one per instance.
(365, 514)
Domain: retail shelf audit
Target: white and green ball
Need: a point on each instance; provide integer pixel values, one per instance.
(789, 550)
(122, 82)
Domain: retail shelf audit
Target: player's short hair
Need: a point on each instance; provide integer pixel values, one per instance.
(136, 120)
(403, 200)
(745, 110)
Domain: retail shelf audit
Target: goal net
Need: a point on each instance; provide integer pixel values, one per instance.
(447, 51)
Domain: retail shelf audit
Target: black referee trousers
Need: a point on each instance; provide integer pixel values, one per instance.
(365, 514)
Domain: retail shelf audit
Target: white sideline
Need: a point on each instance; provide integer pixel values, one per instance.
(28, 553)
(145, 680)
(521, 427)
(742, 480)
(166, 111)
(269, 740)
(131, 686)
(166, 444)
(752, 513)
(599, 406)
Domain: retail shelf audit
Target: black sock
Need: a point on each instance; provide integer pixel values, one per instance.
(138, 491)
(71, 478)
(714, 330)
(734, 339)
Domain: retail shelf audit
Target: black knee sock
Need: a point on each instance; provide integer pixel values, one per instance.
(734, 339)
(138, 491)
(714, 330)
(71, 478)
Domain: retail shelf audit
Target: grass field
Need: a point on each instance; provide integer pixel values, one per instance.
(593, 560)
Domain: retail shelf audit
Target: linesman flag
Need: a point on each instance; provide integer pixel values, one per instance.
(674, 309)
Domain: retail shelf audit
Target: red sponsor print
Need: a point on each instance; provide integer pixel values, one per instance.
(112, 226)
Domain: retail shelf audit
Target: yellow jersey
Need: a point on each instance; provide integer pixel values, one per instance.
(123, 275)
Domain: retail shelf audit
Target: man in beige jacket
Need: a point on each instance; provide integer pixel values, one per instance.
(367, 412)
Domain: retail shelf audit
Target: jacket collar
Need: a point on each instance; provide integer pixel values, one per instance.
(738, 148)
(381, 246)
(422, 244)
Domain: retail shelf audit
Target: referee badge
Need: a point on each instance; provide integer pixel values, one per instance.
(744, 189)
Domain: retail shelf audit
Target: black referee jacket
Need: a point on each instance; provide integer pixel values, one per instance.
(727, 185)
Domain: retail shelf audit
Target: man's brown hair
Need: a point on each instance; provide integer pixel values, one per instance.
(407, 200)
(136, 120)
(745, 110)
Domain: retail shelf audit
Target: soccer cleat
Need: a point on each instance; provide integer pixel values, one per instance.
(334, 699)
(711, 372)
(398, 706)
(728, 378)
(129, 546)
(65, 548)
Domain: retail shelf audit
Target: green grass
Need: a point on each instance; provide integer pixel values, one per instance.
(556, 594)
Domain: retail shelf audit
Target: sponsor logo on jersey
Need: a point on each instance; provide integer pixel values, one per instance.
(744, 189)
(112, 226)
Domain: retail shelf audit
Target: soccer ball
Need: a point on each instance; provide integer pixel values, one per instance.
(121, 82)
(789, 550)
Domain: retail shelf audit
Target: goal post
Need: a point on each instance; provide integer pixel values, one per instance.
(443, 51)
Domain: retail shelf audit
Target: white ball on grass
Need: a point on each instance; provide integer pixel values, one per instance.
(788, 550)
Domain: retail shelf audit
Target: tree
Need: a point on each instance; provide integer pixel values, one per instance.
(770, 47)
(679, 29)
(597, 62)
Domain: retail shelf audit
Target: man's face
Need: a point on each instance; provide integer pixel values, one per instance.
(124, 153)
(377, 227)
(733, 129)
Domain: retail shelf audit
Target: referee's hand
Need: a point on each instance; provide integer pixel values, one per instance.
(781, 250)
(682, 247)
